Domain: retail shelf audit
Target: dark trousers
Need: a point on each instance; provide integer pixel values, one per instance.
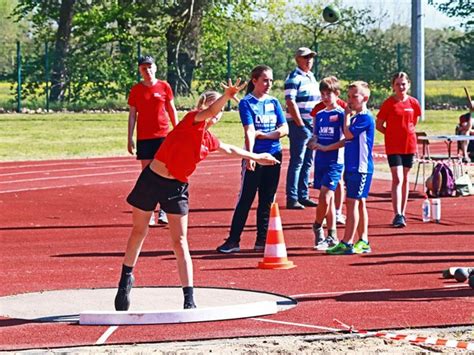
(264, 180)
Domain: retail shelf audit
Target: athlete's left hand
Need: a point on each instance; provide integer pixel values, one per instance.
(230, 90)
(266, 159)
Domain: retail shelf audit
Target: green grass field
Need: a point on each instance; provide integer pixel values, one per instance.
(5, 92)
(439, 93)
(77, 135)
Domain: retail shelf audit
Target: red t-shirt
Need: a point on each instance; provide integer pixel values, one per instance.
(152, 118)
(400, 119)
(185, 146)
(321, 106)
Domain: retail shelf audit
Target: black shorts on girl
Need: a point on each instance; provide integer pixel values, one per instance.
(405, 160)
(151, 189)
(147, 148)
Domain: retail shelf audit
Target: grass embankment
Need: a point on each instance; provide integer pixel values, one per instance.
(69, 135)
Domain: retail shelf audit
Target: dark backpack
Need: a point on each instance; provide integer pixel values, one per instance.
(442, 181)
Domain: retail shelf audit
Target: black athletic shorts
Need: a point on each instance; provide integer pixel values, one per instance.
(151, 189)
(406, 160)
(147, 148)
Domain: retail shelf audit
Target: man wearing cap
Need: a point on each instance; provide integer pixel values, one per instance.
(151, 105)
(301, 95)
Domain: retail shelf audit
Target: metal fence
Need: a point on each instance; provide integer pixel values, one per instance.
(26, 75)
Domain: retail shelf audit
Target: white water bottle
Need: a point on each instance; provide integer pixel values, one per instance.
(436, 209)
(426, 210)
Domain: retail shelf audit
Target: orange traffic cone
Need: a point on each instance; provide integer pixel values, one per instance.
(275, 250)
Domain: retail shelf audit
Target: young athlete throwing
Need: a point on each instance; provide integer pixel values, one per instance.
(165, 181)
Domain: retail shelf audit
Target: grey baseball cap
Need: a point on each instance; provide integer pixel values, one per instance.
(304, 51)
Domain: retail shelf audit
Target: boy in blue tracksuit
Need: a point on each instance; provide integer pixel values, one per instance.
(328, 141)
(359, 130)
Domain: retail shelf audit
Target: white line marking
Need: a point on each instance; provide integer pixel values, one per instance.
(457, 285)
(211, 164)
(70, 176)
(339, 292)
(66, 186)
(106, 335)
(298, 324)
(89, 175)
(96, 161)
(63, 170)
(70, 162)
(80, 176)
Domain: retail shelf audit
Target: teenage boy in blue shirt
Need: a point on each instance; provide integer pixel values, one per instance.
(359, 130)
(327, 140)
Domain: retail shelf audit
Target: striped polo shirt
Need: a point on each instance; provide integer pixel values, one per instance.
(302, 88)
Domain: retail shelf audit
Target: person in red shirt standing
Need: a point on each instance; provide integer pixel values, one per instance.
(151, 105)
(396, 120)
(165, 181)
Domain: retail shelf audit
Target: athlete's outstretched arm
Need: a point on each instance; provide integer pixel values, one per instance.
(262, 158)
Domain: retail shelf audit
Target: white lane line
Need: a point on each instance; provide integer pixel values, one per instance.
(63, 170)
(70, 176)
(91, 161)
(298, 324)
(96, 161)
(106, 335)
(339, 292)
(457, 285)
(208, 166)
(102, 174)
(66, 186)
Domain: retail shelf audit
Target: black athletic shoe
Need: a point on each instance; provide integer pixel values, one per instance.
(228, 247)
(399, 221)
(259, 245)
(189, 305)
(122, 299)
(307, 202)
(294, 205)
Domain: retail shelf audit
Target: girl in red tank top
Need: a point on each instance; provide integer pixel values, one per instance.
(396, 120)
(164, 181)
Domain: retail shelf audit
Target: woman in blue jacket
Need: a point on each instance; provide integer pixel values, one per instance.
(264, 124)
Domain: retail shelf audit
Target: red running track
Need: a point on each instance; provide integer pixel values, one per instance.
(64, 225)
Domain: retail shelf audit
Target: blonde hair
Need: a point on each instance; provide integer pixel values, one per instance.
(331, 84)
(400, 75)
(362, 86)
(206, 99)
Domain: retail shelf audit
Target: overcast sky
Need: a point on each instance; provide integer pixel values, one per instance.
(399, 11)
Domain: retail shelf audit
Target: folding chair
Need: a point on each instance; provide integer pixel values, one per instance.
(425, 156)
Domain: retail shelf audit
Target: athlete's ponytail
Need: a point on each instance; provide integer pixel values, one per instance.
(206, 99)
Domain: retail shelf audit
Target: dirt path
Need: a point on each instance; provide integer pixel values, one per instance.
(308, 344)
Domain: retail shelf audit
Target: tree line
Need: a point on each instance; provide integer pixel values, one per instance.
(94, 43)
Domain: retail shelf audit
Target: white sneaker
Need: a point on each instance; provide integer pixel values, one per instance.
(327, 243)
(152, 221)
(318, 236)
(340, 219)
(162, 218)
